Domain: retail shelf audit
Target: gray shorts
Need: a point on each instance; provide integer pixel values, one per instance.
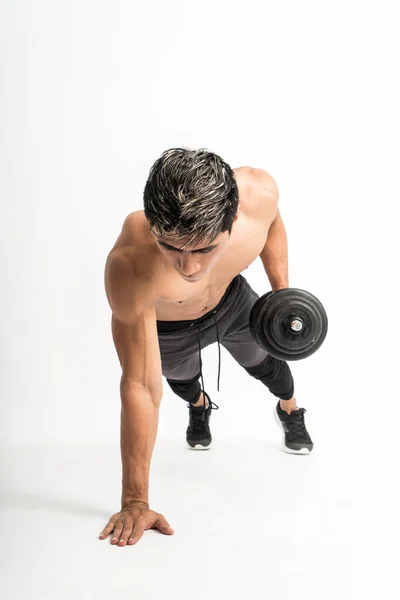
(179, 341)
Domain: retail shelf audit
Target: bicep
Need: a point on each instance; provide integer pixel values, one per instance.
(134, 324)
(138, 351)
(122, 290)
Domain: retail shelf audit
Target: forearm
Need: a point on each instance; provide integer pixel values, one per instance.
(274, 255)
(139, 423)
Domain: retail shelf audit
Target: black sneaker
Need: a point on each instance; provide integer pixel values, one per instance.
(296, 438)
(198, 435)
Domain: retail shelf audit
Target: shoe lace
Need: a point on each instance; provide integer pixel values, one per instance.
(296, 426)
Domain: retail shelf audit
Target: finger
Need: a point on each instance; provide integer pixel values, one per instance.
(136, 534)
(107, 530)
(117, 532)
(163, 525)
(126, 533)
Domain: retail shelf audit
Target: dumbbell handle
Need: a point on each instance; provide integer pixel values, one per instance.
(296, 325)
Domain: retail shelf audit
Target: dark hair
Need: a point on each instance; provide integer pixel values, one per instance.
(190, 194)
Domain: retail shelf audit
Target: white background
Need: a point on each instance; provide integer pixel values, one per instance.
(91, 94)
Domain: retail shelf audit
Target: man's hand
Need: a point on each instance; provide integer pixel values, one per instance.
(130, 523)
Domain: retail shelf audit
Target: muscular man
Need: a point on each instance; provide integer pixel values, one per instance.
(174, 284)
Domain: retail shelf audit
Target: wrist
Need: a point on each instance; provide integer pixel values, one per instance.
(130, 496)
(142, 503)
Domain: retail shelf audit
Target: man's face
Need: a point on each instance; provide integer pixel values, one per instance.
(194, 262)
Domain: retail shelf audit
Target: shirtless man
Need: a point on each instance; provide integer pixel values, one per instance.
(173, 281)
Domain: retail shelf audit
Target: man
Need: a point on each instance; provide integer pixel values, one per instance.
(174, 284)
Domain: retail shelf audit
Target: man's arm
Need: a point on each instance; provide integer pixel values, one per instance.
(135, 337)
(274, 255)
(139, 415)
(130, 293)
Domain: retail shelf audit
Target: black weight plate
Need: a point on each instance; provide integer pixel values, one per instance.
(306, 307)
(255, 330)
(270, 320)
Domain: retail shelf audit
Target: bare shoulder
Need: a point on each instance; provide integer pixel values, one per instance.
(132, 233)
(264, 183)
(260, 192)
(135, 241)
(130, 269)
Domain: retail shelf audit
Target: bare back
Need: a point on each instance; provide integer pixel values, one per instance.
(175, 299)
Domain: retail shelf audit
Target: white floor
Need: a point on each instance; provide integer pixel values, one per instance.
(250, 521)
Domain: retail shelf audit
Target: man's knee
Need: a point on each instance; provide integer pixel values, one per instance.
(269, 369)
(275, 375)
(189, 390)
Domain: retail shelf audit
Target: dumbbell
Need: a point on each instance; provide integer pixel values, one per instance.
(291, 324)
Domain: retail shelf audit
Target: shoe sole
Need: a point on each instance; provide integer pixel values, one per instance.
(198, 446)
(283, 445)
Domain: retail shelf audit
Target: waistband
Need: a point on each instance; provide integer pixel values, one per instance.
(169, 326)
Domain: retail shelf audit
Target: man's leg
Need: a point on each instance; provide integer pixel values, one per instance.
(200, 402)
(180, 350)
(198, 434)
(186, 387)
(288, 405)
(188, 390)
(276, 376)
(240, 343)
